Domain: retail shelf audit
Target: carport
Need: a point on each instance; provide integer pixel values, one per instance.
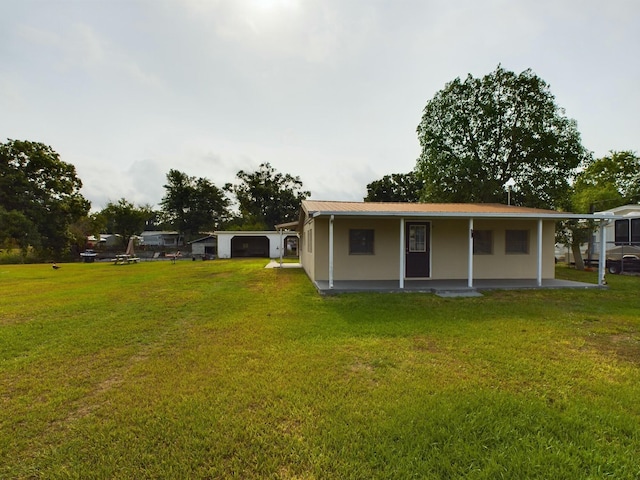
(249, 246)
(247, 243)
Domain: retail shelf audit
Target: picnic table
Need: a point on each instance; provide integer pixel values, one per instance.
(125, 259)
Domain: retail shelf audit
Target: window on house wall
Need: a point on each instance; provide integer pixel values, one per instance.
(310, 241)
(360, 242)
(482, 242)
(627, 231)
(517, 242)
(622, 232)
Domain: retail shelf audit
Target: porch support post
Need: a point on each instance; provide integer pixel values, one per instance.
(331, 252)
(539, 274)
(470, 264)
(602, 258)
(281, 248)
(402, 257)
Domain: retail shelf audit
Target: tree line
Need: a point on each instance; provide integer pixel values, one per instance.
(42, 211)
(500, 138)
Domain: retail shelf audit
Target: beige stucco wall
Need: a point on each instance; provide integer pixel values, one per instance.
(382, 265)
(503, 265)
(306, 256)
(449, 250)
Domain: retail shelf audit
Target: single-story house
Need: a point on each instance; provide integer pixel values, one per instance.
(265, 244)
(419, 242)
(205, 247)
(153, 238)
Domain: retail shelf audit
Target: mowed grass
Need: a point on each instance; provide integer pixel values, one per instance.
(223, 369)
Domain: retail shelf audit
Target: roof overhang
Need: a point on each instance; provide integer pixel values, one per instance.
(203, 239)
(288, 226)
(531, 216)
(451, 211)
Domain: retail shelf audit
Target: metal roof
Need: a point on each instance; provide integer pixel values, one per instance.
(316, 208)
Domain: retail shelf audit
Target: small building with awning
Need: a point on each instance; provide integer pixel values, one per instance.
(257, 244)
(409, 244)
(204, 247)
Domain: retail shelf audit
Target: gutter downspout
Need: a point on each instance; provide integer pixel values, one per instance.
(281, 248)
(331, 252)
(470, 265)
(539, 273)
(402, 253)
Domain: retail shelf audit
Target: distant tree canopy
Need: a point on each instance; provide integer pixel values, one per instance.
(604, 183)
(124, 218)
(478, 133)
(192, 205)
(397, 187)
(17, 229)
(267, 198)
(39, 197)
(607, 182)
(92, 224)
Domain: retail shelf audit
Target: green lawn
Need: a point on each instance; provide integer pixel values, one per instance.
(223, 369)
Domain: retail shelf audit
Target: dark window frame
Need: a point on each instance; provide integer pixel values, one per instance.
(483, 246)
(627, 231)
(516, 242)
(361, 241)
(621, 231)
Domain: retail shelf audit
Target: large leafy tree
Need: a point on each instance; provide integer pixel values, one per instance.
(193, 205)
(478, 133)
(125, 218)
(397, 187)
(267, 198)
(41, 194)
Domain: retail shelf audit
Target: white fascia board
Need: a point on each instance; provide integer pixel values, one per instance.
(511, 216)
(247, 233)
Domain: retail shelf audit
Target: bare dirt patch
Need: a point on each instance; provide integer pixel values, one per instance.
(625, 346)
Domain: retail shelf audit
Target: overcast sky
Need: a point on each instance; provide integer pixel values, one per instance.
(330, 90)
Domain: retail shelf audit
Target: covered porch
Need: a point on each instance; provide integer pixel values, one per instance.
(357, 246)
(447, 287)
(534, 273)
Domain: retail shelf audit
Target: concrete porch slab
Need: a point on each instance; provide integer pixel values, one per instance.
(458, 293)
(276, 264)
(435, 286)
